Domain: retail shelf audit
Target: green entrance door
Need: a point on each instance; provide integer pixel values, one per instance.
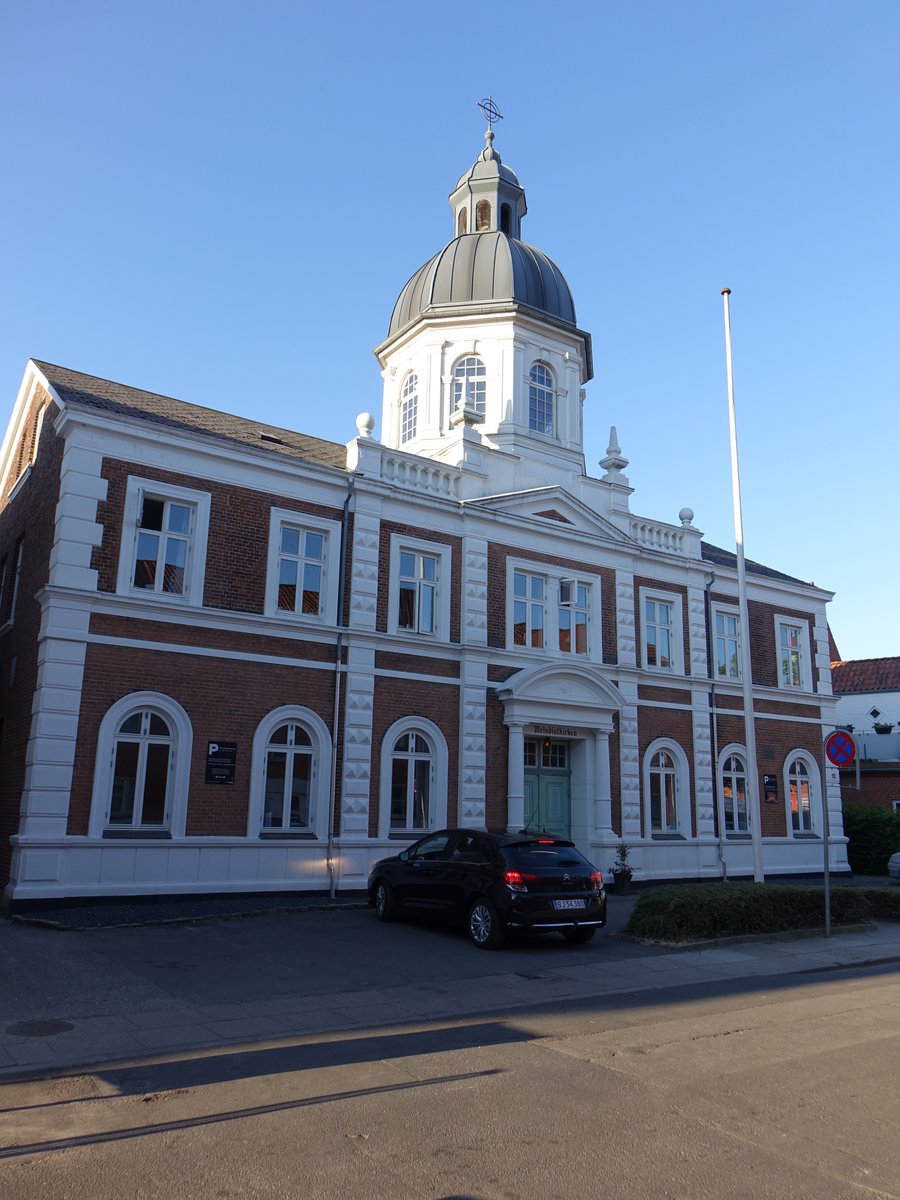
(547, 807)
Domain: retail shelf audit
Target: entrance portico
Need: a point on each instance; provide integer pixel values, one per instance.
(568, 710)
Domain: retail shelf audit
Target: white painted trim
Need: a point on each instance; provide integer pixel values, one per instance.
(727, 610)
(437, 816)
(443, 592)
(676, 599)
(682, 786)
(196, 566)
(331, 566)
(815, 793)
(321, 773)
(554, 575)
(805, 661)
(182, 744)
(726, 752)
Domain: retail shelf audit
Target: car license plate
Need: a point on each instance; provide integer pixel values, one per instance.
(557, 904)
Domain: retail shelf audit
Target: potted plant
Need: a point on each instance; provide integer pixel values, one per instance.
(884, 726)
(621, 870)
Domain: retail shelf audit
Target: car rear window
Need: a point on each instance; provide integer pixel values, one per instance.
(543, 854)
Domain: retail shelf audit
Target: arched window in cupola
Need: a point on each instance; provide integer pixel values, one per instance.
(469, 384)
(505, 219)
(462, 222)
(482, 216)
(409, 403)
(540, 398)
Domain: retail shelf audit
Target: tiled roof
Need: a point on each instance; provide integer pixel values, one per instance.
(726, 558)
(106, 396)
(865, 675)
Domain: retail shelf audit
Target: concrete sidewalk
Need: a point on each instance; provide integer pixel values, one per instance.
(72, 999)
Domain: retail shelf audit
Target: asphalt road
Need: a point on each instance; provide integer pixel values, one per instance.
(709, 1092)
(417, 1067)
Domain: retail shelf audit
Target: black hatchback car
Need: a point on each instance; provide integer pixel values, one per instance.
(490, 883)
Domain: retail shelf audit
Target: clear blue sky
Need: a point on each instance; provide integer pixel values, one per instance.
(221, 202)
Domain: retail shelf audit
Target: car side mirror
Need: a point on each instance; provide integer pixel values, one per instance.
(404, 855)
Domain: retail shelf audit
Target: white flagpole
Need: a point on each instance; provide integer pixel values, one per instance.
(752, 778)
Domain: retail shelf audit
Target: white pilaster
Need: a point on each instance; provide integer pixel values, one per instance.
(703, 767)
(474, 591)
(364, 575)
(515, 779)
(630, 765)
(696, 598)
(603, 792)
(473, 743)
(625, 631)
(356, 778)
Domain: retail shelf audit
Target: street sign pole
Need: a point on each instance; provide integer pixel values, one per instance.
(826, 831)
(839, 749)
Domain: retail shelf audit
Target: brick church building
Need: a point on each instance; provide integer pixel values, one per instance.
(235, 658)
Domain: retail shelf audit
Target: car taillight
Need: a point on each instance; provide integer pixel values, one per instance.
(597, 880)
(517, 882)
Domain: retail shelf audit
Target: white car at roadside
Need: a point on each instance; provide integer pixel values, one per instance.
(894, 866)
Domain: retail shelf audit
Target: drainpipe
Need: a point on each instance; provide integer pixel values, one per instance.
(713, 721)
(338, 655)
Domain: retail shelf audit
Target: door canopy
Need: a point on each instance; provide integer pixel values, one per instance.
(561, 694)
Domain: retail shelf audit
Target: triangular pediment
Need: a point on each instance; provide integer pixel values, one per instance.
(552, 508)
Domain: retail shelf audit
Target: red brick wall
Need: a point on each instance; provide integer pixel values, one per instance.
(497, 766)
(497, 556)
(30, 517)
(384, 571)
(654, 585)
(237, 552)
(879, 787)
(396, 698)
(225, 701)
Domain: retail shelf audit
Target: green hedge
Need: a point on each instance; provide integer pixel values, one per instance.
(874, 835)
(696, 912)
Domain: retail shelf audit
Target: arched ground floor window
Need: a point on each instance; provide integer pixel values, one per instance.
(142, 769)
(413, 794)
(290, 775)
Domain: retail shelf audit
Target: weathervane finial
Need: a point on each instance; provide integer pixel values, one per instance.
(490, 111)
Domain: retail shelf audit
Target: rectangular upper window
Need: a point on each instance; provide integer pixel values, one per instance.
(662, 640)
(419, 588)
(551, 611)
(727, 642)
(303, 566)
(792, 648)
(164, 536)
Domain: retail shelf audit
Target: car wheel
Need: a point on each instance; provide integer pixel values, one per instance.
(580, 934)
(384, 901)
(484, 925)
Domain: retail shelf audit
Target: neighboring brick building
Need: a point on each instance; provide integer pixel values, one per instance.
(235, 658)
(868, 703)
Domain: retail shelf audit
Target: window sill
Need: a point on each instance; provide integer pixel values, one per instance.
(143, 835)
(286, 835)
(406, 835)
(667, 837)
(738, 837)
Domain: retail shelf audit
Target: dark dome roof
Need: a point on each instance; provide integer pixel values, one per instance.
(489, 269)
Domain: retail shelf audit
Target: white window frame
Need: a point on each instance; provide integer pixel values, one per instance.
(437, 816)
(331, 566)
(444, 555)
(408, 408)
(725, 610)
(179, 763)
(553, 576)
(462, 376)
(781, 622)
(660, 596)
(735, 749)
(682, 827)
(815, 795)
(320, 780)
(195, 566)
(552, 390)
